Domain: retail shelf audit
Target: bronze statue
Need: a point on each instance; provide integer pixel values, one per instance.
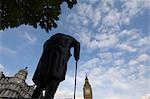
(51, 69)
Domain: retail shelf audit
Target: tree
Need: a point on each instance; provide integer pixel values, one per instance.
(31, 12)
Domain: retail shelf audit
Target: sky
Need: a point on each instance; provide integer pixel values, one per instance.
(115, 48)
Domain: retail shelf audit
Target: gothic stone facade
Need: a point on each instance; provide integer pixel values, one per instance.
(15, 87)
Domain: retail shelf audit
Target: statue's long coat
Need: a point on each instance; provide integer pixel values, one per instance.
(53, 62)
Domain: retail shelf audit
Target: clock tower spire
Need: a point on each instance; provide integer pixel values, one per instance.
(87, 90)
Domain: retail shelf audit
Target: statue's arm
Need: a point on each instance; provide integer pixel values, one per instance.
(76, 50)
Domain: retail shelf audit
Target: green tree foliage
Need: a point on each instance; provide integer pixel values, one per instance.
(31, 12)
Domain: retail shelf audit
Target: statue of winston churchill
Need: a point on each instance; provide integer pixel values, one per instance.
(52, 66)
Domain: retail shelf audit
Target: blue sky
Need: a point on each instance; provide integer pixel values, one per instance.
(115, 48)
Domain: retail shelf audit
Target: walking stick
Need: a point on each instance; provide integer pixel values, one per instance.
(75, 80)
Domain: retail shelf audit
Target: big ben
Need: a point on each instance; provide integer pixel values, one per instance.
(87, 90)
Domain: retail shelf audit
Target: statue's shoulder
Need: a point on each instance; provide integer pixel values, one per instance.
(63, 36)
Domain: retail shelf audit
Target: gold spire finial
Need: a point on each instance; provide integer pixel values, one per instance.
(86, 79)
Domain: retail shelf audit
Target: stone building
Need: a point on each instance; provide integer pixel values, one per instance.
(15, 86)
(87, 89)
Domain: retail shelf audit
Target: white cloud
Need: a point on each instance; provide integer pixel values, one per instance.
(62, 94)
(119, 62)
(141, 58)
(1, 67)
(131, 37)
(85, 38)
(98, 40)
(105, 13)
(135, 39)
(112, 18)
(118, 54)
(7, 51)
(133, 62)
(127, 48)
(108, 19)
(144, 41)
(106, 40)
(96, 17)
(132, 8)
(129, 33)
(105, 55)
(86, 14)
(86, 67)
(106, 5)
(30, 39)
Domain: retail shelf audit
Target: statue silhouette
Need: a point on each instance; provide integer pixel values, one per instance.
(51, 69)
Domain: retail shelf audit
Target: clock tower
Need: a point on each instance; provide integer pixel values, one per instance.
(87, 90)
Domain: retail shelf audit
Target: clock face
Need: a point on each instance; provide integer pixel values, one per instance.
(87, 91)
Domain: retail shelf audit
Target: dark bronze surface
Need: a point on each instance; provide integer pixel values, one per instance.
(52, 65)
